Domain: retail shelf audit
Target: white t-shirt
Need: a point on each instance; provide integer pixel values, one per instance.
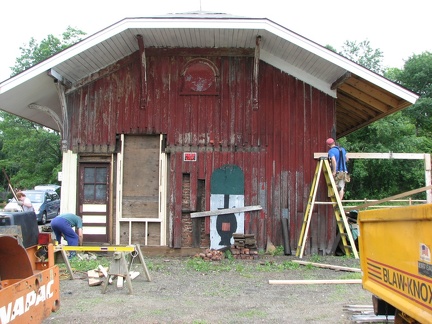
(26, 208)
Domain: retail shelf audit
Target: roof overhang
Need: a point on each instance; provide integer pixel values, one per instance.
(362, 95)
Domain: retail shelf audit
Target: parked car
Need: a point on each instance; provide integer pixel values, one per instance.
(52, 187)
(46, 204)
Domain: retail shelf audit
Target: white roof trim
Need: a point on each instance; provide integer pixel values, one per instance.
(297, 73)
(341, 61)
(62, 56)
(236, 23)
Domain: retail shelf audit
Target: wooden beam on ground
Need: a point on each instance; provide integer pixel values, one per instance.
(226, 211)
(327, 266)
(315, 282)
(373, 203)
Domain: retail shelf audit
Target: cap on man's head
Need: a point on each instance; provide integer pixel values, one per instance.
(330, 141)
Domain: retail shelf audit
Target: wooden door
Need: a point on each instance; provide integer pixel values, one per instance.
(93, 200)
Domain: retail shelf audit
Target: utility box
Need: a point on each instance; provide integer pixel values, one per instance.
(395, 257)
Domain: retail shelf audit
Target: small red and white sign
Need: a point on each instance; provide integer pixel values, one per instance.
(425, 253)
(190, 156)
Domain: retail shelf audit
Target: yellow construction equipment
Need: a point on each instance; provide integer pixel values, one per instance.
(396, 261)
(323, 165)
(29, 279)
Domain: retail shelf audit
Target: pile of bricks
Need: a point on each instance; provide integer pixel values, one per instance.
(244, 247)
(210, 255)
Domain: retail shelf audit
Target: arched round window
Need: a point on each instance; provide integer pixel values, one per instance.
(200, 77)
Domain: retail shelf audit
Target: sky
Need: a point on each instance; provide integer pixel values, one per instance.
(398, 28)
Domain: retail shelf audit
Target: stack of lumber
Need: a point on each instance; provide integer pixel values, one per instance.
(97, 276)
(365, 314)
(244, 240)
(210, 255)
(244, 246)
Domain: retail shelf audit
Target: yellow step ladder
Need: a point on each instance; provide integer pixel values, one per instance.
(341, 220)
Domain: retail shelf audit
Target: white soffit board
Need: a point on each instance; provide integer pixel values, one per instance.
(297, 73)
(250, 23)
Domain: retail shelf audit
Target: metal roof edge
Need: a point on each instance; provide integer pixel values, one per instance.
(62, 56)
(210, 22)
(124, 24)
(342, 62)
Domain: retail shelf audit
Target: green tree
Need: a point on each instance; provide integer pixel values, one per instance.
(406, 131)
(29, 153)
(377, 179)
(363, 54)
(32, 153)
(35, 52)
(417, 76)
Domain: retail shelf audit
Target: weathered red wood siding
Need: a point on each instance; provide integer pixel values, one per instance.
(273, 145)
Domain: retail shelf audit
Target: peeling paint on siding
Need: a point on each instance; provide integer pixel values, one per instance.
(273, 145)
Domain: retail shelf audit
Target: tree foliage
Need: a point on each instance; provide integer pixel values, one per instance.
(363, 54)
(29, 153)
(35, 52)
(408, 131)
(376, 178)
(417, 76)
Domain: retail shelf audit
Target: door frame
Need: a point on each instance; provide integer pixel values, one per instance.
(162, 204)
(91, 211)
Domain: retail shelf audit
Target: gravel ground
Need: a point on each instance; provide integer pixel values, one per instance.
(190, 290)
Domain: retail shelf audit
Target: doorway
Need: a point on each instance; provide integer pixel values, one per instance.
(93, 201)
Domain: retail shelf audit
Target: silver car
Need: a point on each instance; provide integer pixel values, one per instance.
(46, 204)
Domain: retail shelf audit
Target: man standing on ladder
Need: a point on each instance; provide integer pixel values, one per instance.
(338, 163)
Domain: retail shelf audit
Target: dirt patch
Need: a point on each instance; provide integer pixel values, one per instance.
(227, 291)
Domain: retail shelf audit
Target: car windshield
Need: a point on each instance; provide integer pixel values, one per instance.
(35, 197)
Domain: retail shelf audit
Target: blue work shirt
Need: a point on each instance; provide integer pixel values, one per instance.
(334, 151)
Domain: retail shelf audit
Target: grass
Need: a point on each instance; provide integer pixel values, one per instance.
(218, 289)
(252, 314)
(228, 264)
(90, 264)
(219, 285)
(84, 305)
(239, 266)
(279, 250)
(352, 275)
(199, 265)
(315, 258)
(85, 265)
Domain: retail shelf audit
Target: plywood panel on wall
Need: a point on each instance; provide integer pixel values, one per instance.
(141, 177)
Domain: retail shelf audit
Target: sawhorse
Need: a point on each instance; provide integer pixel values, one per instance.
(109, 248)
(65, 258)
(118, 268)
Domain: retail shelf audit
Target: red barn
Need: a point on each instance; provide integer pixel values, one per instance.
(161, 117)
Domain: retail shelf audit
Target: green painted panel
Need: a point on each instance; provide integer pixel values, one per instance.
(227, 180)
